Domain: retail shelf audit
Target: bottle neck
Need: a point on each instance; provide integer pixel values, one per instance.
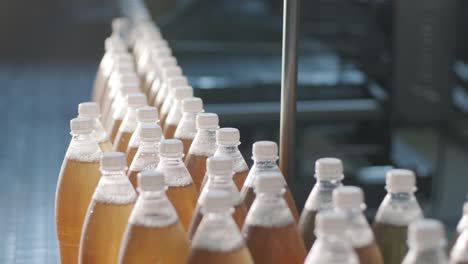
(189, 116)
(401, 196)
(328, 184)
(149, 146)
(228, 149)
(171, 161)
(109, 174)
(204, 143)
(83, 144)
(265, 164)
(152, 195)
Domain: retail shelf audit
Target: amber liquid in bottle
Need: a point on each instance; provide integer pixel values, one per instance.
(107, 218)
(76, 185)
(196, 166)
(169, 131)
(154, 233)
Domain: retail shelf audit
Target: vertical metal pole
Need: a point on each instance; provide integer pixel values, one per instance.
(288, 87)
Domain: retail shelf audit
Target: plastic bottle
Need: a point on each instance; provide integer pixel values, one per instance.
(91, 110)
(121, 83)
(147, 156)
(78, 178)
(270, 230)
(426, 242)
(218, 240)
(175, 114)
(203, 146)
(129, 122)
(119, 108)
(154, 233)
(159, 48)
(171, 84)
(265, 155)
(108, 212)
(145, 115)
(398, 209)
(329, 173)
(112, 46)
(181, 190)
(121, 64)
(349, 200)
(219, 178)
(187, 128)
(332, 246)
(155, 76)
(167, 74)
(459, 252)
(227, 141)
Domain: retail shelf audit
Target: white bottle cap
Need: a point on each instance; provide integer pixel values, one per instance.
(150, 132)
(400, 180)
(177, 81)
(207, 120)
(89, 109)
(348, 197)
(171, 148)
(267, 150)
(182, 92)
(113, 161)
(129, 84)
(329, 169)
(227, 136)
(151, 180)
(81, 125)
(330, 222)
(123, 58)
(171, 72)
(217, 199)
(136, 100)
(147, 114)
(271, 182)
(465, 208)
(220, 165)
(426, 233)
(192, 105)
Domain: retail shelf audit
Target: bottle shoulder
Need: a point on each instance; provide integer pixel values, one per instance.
(220, 234)
(269, 212)
(84, 150)
(153, 213)
(115, 190)
(400, 212)
(331, 252)
(321, 198)
(175, 173)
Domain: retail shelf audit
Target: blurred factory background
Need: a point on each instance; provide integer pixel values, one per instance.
(382, 84)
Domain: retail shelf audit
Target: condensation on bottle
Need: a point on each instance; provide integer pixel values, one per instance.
(144, 115)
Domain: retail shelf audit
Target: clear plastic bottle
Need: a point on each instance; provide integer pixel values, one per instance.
(227, 141)
(349, 200)
(154, 233)
(119, 108)
(398, 209)
(167, 74)
(172, 83)
(218, 240)
(108, 212)
(219, 178)
(92, 111)
(154, 77)
(156, 49)
(329, 173)
(112, 46)
(187, 128)
(145, 115)
(203, 146)
(265, 155)
(181, 190)
(270, 230)
(122, 82)
(175, 114)
(426, 242)
(459, 252)
(332, 246)
(129, 122)
(147, 156)
(78, 178)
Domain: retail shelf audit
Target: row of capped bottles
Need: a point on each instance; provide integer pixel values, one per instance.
(178, 189)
